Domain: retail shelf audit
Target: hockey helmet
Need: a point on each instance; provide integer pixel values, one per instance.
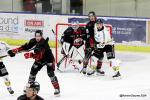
(34, 85)
(75, 24)
(99, 21)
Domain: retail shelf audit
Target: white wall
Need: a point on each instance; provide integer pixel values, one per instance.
(101, 7)
(129, 8)
(11, 5)
(17, 5)
(6, 5)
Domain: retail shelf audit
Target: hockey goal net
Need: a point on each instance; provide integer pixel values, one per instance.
(60, 28)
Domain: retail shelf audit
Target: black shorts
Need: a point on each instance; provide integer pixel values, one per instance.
(3, 70)
(109, 49)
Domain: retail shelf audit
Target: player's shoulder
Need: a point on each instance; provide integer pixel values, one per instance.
(2, 42)
(39, 98)
(82, 28)
(32, 40)
(68, 30)
(90, 24)
(105, 28)
(22, 97)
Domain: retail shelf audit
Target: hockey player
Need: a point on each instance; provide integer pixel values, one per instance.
(103, 43)
(42, 55)
(90, 39)
(32, 90)
(3, 71)
(72, 40)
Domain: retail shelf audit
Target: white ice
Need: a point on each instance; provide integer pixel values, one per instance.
(135, 71)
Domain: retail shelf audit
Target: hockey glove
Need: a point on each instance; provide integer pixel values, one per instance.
(28, 55)
(16, 50)
(11, 53)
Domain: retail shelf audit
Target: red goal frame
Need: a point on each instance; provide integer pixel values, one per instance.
(67, 24)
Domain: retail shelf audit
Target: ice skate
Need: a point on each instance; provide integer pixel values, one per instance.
(10, 90)
(117, 76)
(57, 92)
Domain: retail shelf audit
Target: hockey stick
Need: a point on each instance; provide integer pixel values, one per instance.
(3, 56)
(16, 53)
(85, 58)
(34, 48)
(63, 58)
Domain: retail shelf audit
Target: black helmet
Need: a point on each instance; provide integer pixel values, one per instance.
(38, 32)
(34, 85)
(98, 21)
(91, 13)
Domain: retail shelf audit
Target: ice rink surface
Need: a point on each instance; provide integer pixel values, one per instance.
(135, 82)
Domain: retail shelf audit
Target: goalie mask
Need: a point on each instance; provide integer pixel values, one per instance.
(75, 24)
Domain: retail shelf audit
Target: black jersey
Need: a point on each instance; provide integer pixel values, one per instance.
(90, 34)
(24, 97)
(90, 28)
(75, 38)
(42, 50)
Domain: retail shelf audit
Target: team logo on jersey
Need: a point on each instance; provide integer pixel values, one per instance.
(78, 41)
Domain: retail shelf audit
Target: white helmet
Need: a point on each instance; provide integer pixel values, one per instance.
(75, 24)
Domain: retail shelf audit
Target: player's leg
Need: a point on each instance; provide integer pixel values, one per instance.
(50, 71)
(98, 54)
(34, 70)
(53, 78)
(88, 54)
(113, 62)
(4, 74)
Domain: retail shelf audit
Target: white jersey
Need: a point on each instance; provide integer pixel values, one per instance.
(3, 48)
(102, 36)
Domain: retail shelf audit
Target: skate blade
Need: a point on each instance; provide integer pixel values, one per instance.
(117, 78)
(100, 74)
(12, 94)
(90, 74)
(57, 95)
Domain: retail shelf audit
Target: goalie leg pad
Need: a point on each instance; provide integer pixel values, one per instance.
(66, 47)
